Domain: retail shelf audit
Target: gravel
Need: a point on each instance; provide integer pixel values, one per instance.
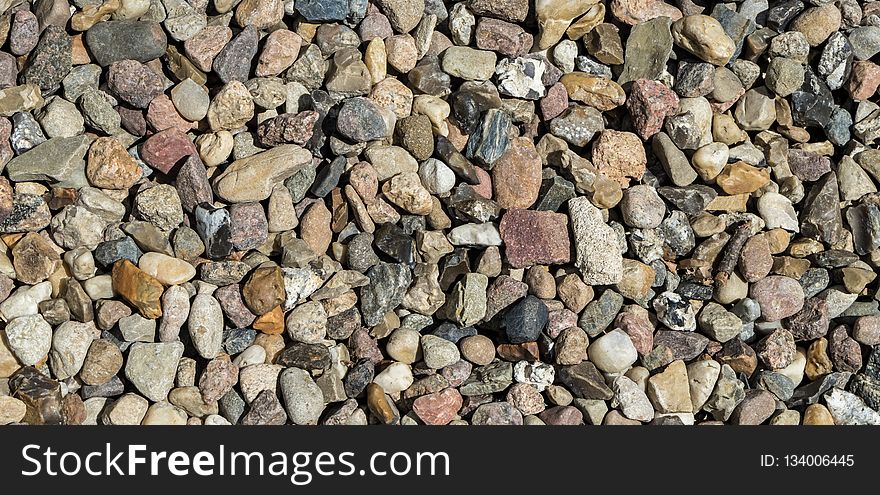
(404, 212)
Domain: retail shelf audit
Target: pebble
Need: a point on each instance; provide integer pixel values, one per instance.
(613, 352)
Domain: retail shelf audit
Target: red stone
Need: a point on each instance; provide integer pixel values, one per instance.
(649, 103)
(535, 238)
(438, 408)
(165, 149)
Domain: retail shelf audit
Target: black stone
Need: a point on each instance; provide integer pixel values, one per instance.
(813, 391)
(112, 388)
(327, 177)
(41, 396)
(236, 340)
(781, 14)
(453, 332)
(388, 284)
(820, 217)
(393, 241)
(109, 252)
(310, 357)
(491, 138)
(358, 377)
(814, 281)
(689, 199)
(813, 104)
(693, 290)
(554, 193)
(459, 164)
(833, 258)
(584, 381)
(864, 222)
(525, 320)
(453, 266)
(467, 205)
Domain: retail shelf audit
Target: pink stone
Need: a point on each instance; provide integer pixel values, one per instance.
(634, 12)
(778, 296)
(864, 80)
(560, 319)
(280, 51)
(649, 103)
(165, 149)
(438, 408)
(161, 115)
(620, 156)
(562, 415)
(535, 237)
(484, 188)
(640, 331)
(555, 102)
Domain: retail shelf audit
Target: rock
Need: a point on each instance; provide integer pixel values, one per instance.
(778, 296)
(112, 41)
(598, 264)
(595, 91)
(303, 399)
(151, 368)
(138, 288)
(613, 352)
(252, 178)
(535, 237)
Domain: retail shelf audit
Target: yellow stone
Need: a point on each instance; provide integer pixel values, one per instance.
(740, 177)
(596, 91)
(818, 362)
(139, 289)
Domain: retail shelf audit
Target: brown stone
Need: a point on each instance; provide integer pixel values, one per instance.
(740, 177)
(380, 405)
(739, 356)
(619, 156)
(818, 362)
(264, 290)
(103, 361)
(755, 260)
(34, 259)
(109, 165)
(516, 176)
(596, 91)
(818, 415)
(139, 289)
(527, 351)
(271, 323)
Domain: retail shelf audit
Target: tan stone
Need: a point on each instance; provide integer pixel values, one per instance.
(740, 177)
(141, 290)
(596, 91)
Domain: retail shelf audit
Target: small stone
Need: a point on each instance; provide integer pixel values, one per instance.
(778, 296)
(138, 288)
(595, 91)
(151, 368)
(669, 391)
(755, 408)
